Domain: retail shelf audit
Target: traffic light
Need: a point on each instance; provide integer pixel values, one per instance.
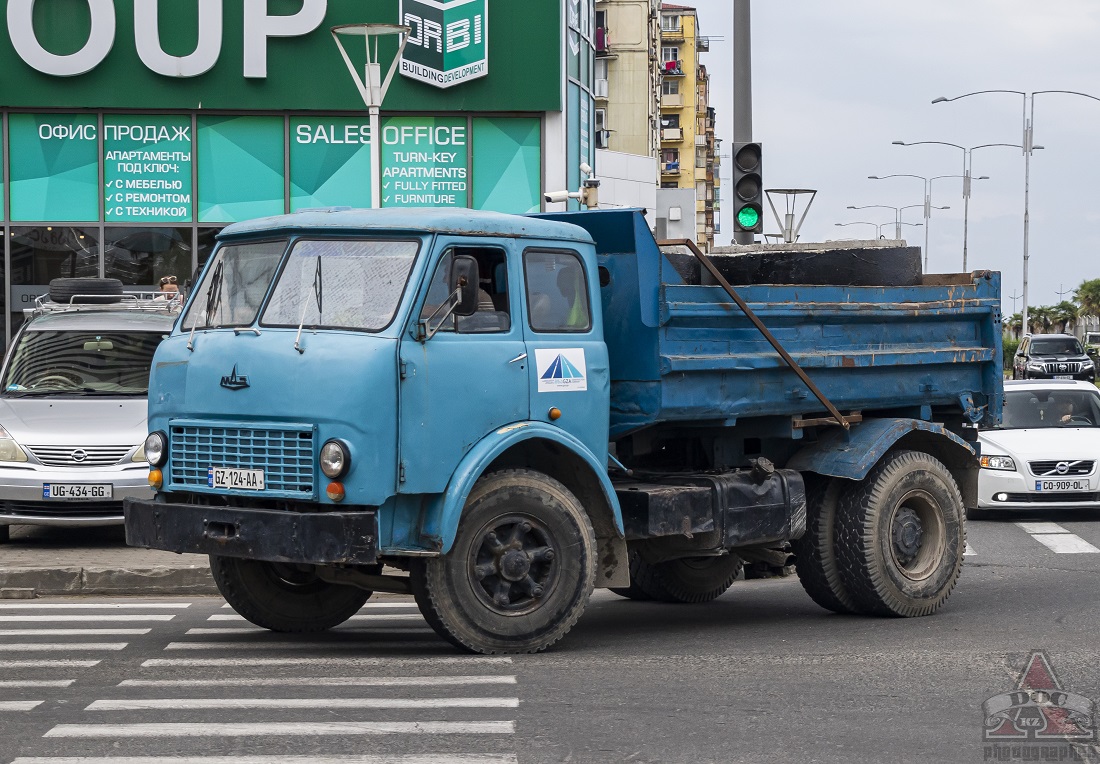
(748, 188)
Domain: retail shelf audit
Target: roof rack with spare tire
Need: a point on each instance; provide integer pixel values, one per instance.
(87, 293)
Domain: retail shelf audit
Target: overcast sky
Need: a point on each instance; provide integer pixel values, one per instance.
(835, 81)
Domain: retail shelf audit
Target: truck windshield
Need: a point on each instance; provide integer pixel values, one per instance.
(1046, 408)
(341, 283)
(82, 362)
(1059, 346)
(235, 284)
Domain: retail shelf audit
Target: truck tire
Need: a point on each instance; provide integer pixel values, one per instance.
(694, 580)
(520, 572)
(901, 536)
(282, 598)
(815, 551)
(642, 584)
(92, 290)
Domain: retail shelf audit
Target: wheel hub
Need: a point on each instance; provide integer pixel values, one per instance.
(514, 566)
(908, 535)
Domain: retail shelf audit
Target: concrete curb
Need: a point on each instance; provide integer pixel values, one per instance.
(157, 580)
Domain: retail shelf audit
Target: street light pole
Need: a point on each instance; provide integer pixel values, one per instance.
(1028, 147)
(927, 201)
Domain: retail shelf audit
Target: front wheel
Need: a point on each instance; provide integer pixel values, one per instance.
(282, 597)
(901, 537)
(520, 572)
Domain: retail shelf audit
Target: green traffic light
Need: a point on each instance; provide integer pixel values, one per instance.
(748, 217)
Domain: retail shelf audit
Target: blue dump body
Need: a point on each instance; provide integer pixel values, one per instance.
(687, 354)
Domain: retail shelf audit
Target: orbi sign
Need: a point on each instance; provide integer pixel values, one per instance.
(448, 42)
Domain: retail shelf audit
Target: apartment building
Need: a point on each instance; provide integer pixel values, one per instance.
(627, 78)
(690, 151)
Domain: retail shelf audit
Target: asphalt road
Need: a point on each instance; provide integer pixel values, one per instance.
(761, 675)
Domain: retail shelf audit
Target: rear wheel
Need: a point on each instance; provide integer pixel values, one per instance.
(901, 536)
(283, 597)
(693, 580)
(520, 572)
(815, 551)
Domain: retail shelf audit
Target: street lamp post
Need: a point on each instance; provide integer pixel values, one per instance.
(968, 164)
(897, 214)
(927, 200)
(1028, 146)
(877, 226)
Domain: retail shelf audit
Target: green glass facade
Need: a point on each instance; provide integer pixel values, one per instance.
(130, 166)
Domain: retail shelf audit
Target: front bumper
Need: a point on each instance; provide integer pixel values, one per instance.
(315, 538)
(21, 501)
(1084, 376)
(1018, 487)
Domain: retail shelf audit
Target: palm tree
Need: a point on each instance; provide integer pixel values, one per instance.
(1063, 315)
(1088, 297)
(1039, 319)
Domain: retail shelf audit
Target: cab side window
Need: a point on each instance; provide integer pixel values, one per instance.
(493, 311)
(557, 291)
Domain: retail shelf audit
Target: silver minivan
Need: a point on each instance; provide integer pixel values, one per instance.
(73, 392)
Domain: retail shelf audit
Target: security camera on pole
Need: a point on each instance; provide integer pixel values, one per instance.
(588, 194)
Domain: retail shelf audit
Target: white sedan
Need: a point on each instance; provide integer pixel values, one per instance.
(1045, 453)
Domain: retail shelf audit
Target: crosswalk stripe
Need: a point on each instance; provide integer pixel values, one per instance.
(414, 758)
(1058, 539)
(372, 604)
(46, 647)
(93, 605)
(473, 660)
(72, 632)
(48, 664)
(280, 729)
(1042, 527)
(206, 704)
(378, 617)
(360, 630)
(970, 551)
(327, 681)
(1065, 543)
(20, 705)
(326, 645)
(36, 682)
(61, 618)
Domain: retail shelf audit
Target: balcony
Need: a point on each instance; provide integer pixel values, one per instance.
(671, 30)
(672, 101)
(702, 44)
(672, 68)
(670, 168)
(700, 140)
(599, 88)
(672, 134)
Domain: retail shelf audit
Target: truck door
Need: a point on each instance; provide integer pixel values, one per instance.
(568, 370)
(469, 379)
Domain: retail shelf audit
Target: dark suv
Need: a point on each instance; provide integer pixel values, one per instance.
(1052, 356)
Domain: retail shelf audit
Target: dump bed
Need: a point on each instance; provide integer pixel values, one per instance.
(683, 353)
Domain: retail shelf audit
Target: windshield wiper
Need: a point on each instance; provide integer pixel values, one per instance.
(317, 290)
(213, 301)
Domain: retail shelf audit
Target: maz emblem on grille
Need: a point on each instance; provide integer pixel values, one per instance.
(234, 381)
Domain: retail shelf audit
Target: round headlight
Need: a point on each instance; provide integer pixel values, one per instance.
(335, 459)
(156, 449)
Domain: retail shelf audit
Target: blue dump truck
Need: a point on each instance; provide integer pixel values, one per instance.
(498, 413)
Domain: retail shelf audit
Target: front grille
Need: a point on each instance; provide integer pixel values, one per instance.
(1049, 468)
(62, 509)
(285, 455)
(1063, 367)
(1054, 498)
(79, 456)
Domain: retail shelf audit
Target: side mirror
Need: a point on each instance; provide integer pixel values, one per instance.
(465, 279)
